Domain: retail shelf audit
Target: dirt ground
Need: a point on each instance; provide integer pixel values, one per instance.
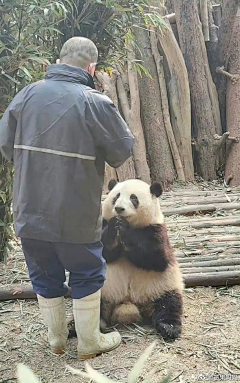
(210, 343)
(208, 350)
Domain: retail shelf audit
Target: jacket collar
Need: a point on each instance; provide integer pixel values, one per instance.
(63, 72)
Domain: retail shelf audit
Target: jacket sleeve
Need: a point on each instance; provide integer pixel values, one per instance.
(8, 125)
(109, 130)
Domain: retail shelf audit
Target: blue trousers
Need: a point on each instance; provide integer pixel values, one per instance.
(47, 262)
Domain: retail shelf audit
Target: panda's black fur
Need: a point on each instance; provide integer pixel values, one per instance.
(143, 281)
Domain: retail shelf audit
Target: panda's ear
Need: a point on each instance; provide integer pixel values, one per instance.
(156, 189)
(111, 184)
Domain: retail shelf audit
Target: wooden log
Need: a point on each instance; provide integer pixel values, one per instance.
(201, 219)
(200, 201)
(206, 257)
(209, 244)
(230, 252)
(216, 262)
(223, 238)
(208, 223)
(201, 208)
(220, 278)
(19, 292)
(225, 278)
(235, 245)
(210, 231)
(196, 193)
(210, 269)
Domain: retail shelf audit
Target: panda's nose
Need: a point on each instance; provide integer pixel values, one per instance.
(119, 209)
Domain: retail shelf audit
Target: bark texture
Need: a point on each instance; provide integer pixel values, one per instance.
(229, 11)
(232, 171)
(107, 84)
(205, 109)
(179, 100)
(204, 19)
(165, 107)
(132, 116)
(158, 149)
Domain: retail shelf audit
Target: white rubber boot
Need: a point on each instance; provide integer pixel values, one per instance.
(91, 342)
(54, 316)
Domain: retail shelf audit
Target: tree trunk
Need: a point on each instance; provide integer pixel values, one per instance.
(204, 19)
(179, 100)
(158, 149)
(205, 108)
(133, 118)
(107, 85)
(232, 171)
(225, 34)
(212, 44)
(165, 107)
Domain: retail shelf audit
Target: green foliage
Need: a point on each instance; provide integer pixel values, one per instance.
(28, 35)
(31, 35)
(6, 172)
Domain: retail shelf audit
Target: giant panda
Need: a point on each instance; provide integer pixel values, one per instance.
(143, 280)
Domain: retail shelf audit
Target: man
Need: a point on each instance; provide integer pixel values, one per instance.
(60, 132)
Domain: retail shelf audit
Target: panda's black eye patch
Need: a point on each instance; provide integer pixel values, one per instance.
(134, 200)
(115, 198)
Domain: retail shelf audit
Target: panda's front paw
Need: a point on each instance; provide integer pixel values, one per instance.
(113, 227)
(168, 331)
(123, 227)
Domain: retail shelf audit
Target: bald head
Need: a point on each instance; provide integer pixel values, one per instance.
(80, 52)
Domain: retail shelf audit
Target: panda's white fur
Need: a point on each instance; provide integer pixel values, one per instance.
(126, 280)
(127, 285)
(148, 212)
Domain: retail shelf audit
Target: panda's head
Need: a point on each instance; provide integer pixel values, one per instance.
(134, 200)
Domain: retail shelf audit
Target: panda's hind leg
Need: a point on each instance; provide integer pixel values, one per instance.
(167, 315)
(106, 313)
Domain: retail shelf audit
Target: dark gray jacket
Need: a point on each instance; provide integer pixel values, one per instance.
(60, 132)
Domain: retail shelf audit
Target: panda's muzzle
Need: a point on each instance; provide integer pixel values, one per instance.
(119, 210)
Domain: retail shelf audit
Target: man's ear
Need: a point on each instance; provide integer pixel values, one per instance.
(91, 69)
